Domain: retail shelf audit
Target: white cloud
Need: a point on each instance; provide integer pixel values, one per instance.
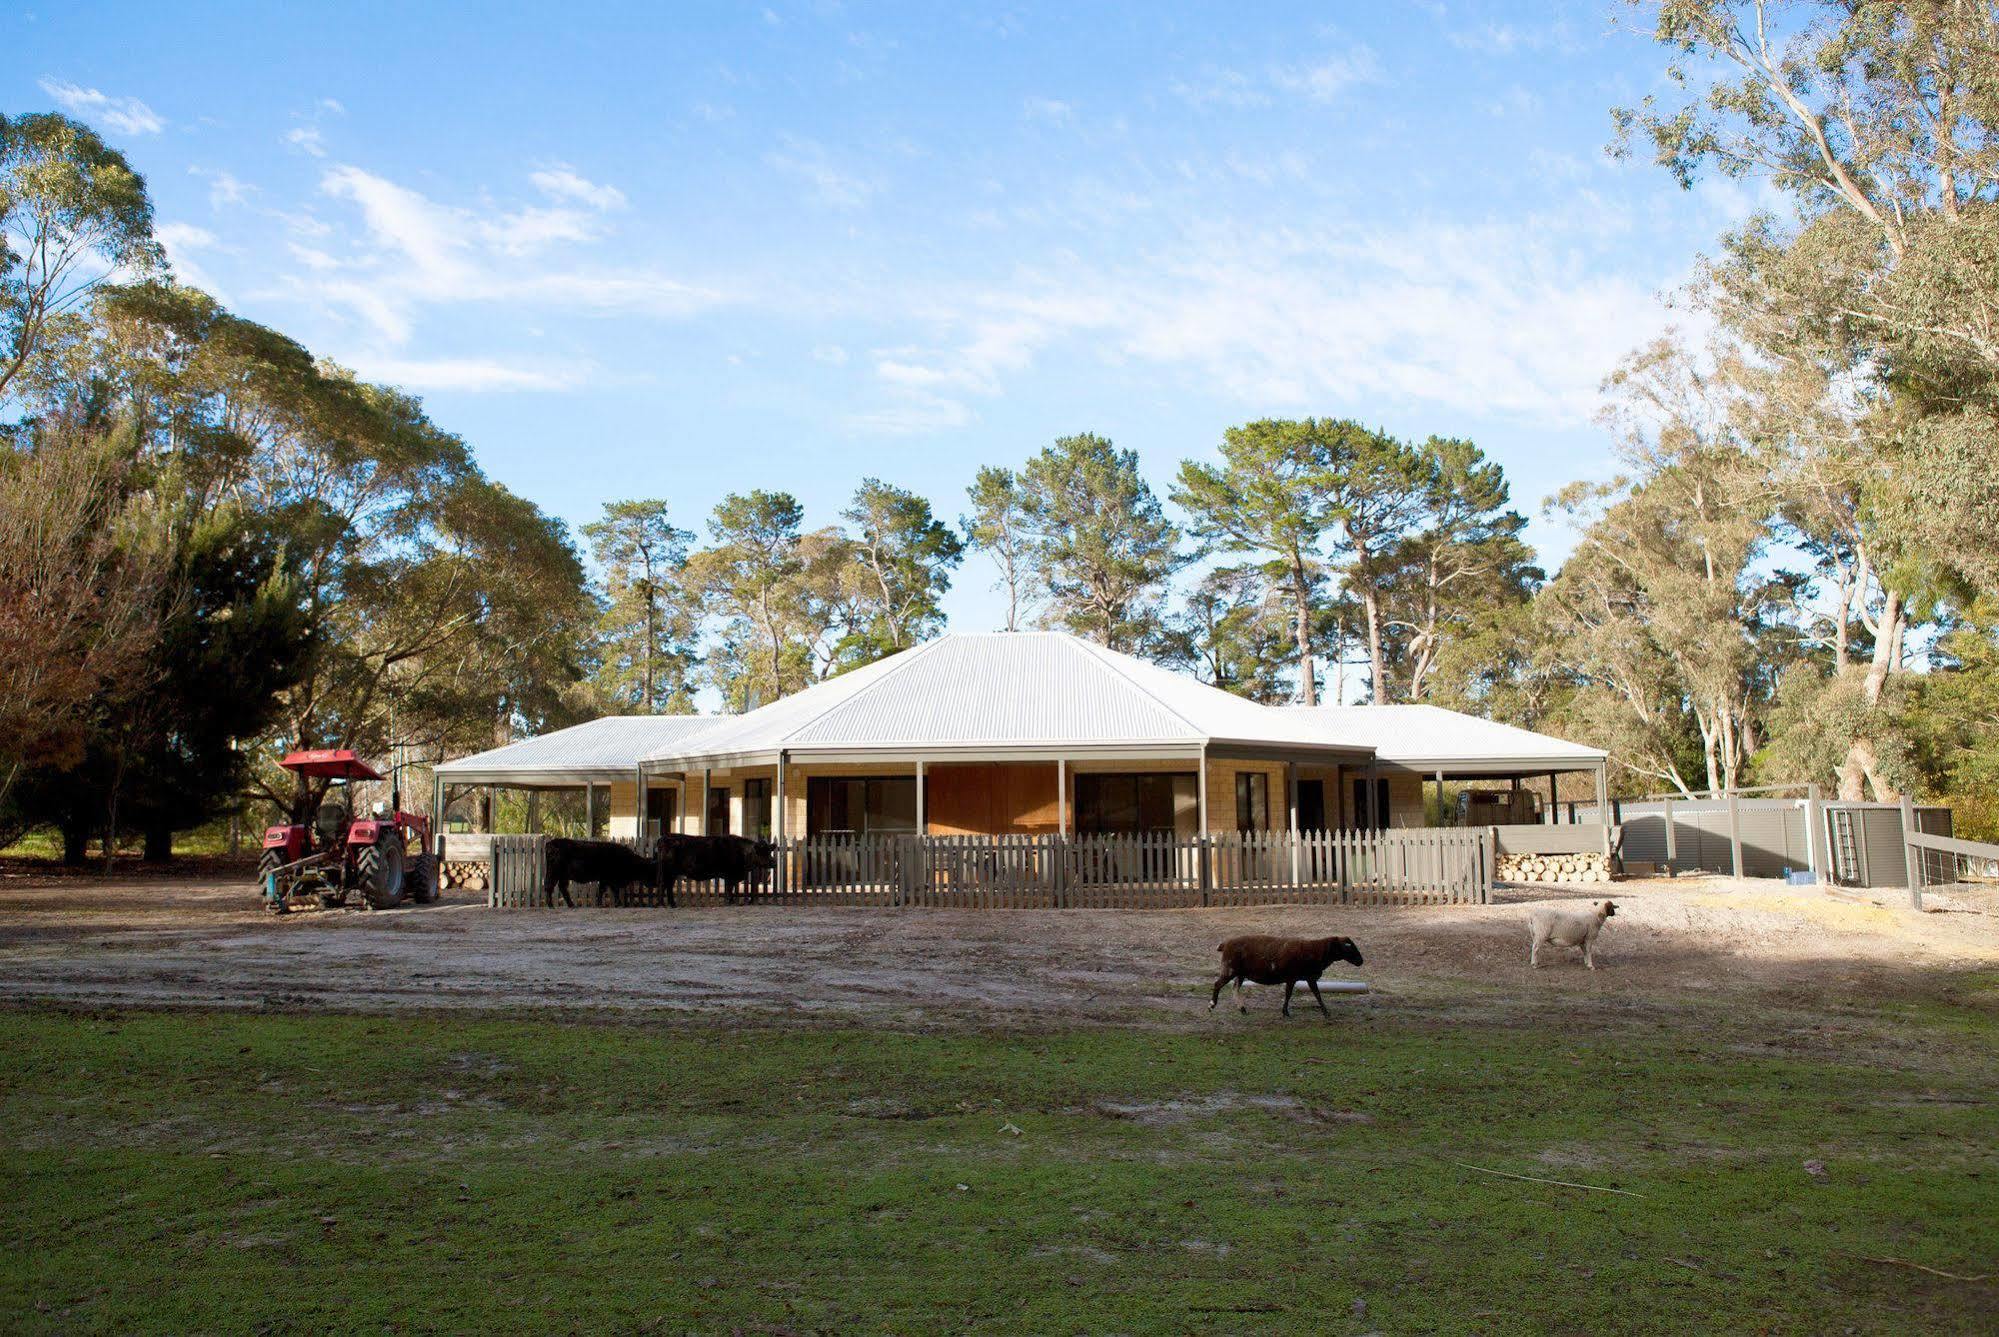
(468, 374)
(410, 253)
(1320, 81)
(312, 257)
(914, 414)
(224, 189)
(829, 185)
(127, 115)
(1222, 88)
(1505, 39)
(1510, 318)
(1324, 80)
(307, 139)
(180, 238)
(562, 183)
(332, 106)
(1053, 111)
(831, 354)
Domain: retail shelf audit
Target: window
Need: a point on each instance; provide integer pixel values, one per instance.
(662, 810)
(860, 805)
(756, 809)
(1252, 801)
(1370, 816)
(1142, 802)
(718, 810)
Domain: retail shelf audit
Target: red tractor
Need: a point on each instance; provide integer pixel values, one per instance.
(384, 856)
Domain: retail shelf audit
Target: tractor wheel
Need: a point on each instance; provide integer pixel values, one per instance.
(272, 861)
(378, 872)
(420, 879)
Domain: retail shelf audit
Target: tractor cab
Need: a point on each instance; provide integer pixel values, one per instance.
(384, 856)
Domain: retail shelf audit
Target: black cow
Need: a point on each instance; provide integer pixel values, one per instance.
(613, 867)
(730, 860)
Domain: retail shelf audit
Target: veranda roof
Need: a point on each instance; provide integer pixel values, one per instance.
(1026, 695)
(601, 750)
(1430, 738)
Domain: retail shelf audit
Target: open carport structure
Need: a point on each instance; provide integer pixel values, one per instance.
(594, 760)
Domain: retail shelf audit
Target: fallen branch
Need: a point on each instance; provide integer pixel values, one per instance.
(1559, 1183)
(1933, 1271)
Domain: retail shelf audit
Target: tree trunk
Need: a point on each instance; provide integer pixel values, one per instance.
(75, 841)
(1887, 647)
(1861, 768)
(652, 636)
(1308, 687)
(1377, 669)
(159, 844)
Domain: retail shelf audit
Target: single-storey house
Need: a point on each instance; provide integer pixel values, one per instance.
(1032, 733)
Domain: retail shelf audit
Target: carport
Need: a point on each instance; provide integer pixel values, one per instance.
(595, 761)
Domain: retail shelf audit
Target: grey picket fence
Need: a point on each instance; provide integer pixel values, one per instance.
(1144, 871)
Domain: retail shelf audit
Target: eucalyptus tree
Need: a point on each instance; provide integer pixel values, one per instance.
(1271, 496)
(752, 575)
(1879, 123)
(997, 526)
(1100, 548)
(1376, 490)
(649, 629)
(445, 612)
(1231, 633)
(72, 214)
(1664, 583)
(1464, 562)
(905, 557)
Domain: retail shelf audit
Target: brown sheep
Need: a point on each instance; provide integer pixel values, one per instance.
(1285, 961)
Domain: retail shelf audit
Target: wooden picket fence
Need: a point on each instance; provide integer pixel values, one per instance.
(1152, 871)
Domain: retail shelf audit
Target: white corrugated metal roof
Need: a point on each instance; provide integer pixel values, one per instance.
(999, 691)
(607, 748)
(1017, 692)
(1418, 735)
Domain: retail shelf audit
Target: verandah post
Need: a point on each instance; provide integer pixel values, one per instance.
(1912, 857)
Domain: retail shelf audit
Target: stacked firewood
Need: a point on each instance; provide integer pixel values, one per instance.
(1593, 867)
(467, 874)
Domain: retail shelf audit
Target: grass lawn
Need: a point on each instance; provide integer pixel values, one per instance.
(183, 1171)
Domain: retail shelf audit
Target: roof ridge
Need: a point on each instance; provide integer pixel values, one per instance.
(1102, 655)
(908, 657)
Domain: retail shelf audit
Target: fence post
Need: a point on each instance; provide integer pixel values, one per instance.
(1912, 857)
(1815, 840)
(1207, 866)
(1735, 832)
(1490, 868)
(1672, 846)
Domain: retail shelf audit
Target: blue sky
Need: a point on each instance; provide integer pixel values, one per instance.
(680, 250)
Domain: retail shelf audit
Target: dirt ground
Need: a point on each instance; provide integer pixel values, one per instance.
(1700, 941)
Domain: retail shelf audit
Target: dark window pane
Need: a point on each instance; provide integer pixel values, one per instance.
(756, 809)
(1126, 804)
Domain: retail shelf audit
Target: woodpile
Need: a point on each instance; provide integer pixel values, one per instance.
(1592, 867)
(468, 874)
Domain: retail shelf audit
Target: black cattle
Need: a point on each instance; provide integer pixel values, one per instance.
(613, 867)
(730, 860)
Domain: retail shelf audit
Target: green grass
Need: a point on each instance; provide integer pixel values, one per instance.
(177, 1172)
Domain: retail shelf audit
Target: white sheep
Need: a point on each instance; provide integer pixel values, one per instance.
(1568, 928)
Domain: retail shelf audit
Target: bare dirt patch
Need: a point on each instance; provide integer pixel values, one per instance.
(191, 942)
